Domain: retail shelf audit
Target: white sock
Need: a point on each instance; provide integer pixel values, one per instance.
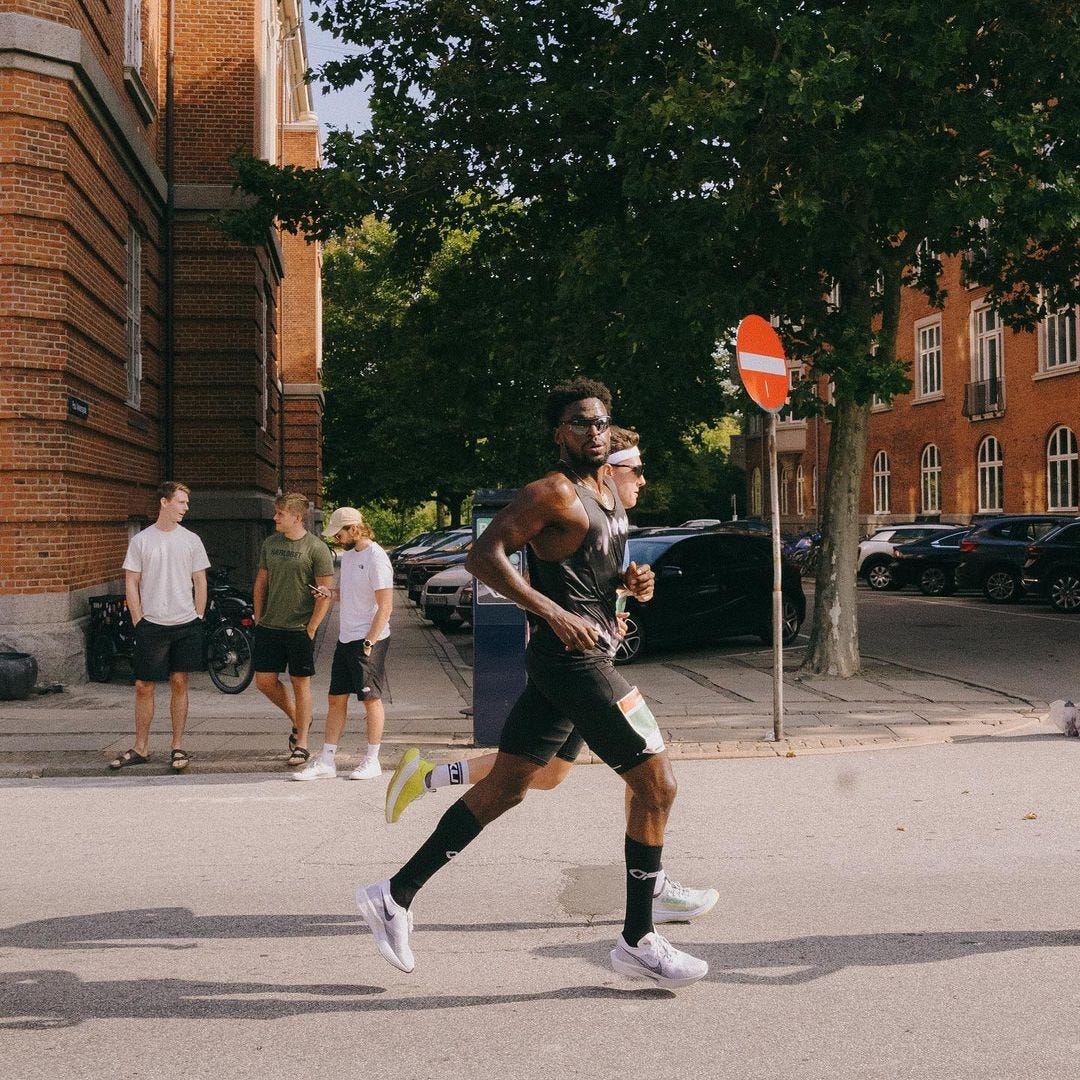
(372, 753)
(660, 879)
(457, 772)
(329, 749)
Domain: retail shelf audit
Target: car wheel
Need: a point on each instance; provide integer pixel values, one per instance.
(1001, 586)
(1065, 591)
(935, 581)
(878, 575)
(789, 621)
(632, 643)
(442, 619)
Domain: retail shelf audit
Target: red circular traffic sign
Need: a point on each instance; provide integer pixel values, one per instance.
(762, 365)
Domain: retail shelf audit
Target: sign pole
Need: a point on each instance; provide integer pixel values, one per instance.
(777, 591)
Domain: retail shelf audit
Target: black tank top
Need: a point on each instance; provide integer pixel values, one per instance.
(585, 582)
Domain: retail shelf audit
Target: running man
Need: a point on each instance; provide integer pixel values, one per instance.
(367, 600)
(574, 527)
(672, 902)
(288, 611)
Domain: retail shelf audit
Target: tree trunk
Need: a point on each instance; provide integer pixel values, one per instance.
(834, 640)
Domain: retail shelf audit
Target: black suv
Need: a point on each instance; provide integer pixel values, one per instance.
(994, 553)
(929, 563)
(709, 584)
(1053, 567)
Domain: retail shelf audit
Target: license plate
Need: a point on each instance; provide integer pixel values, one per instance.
(438, 599)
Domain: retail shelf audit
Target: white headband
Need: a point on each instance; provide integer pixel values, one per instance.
(623, 455)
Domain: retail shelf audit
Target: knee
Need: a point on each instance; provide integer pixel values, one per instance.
(144, 689)
(659, 794)
(266, 681)
(551, 776)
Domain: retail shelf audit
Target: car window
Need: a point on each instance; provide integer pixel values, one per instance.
(1068, 535)
(646, 550)
(950, 540)
(881, 534)
(1041, 528)
(698, 554)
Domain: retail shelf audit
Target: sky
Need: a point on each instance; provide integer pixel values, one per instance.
(335, 108)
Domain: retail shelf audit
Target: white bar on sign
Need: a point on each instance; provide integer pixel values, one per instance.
(769, 365)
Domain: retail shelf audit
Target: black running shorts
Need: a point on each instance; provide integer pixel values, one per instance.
(161, 650)
(283, 650)
(355, 673)
(585, 693)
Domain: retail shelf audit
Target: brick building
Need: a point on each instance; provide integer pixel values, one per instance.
(137, 342)
(988, 426)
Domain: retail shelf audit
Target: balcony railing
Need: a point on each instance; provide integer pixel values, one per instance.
(984, 398)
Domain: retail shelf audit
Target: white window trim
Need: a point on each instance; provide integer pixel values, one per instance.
(263, 374)
(882, 483)
(935, 395)
(978, 306)
(1060, 460)
(926, 472)
(800, 496)
(998, 466)
(784, 418)
(133, 42)
(1070, 368)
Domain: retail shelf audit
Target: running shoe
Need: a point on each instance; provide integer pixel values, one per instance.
(368, 769)
(406, 784)
(677, 903)
(656, 958)
(317, 770)
(390, 924)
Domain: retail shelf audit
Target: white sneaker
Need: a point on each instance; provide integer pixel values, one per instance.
(390, 924)
(317, 770)
(677, 903)
(656, 958)
(368, 769)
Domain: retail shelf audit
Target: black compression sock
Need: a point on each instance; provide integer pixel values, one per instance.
(643, 863)
(457, 828)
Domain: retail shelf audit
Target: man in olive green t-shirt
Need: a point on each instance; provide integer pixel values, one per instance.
(292, 564)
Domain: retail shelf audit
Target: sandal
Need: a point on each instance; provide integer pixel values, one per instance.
(128, 757)
(179, 761)
(299, 755)
(292, 741)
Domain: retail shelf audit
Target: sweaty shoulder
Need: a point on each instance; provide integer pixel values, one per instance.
(554, 490)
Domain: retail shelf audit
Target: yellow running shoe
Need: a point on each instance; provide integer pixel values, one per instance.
(406, 784)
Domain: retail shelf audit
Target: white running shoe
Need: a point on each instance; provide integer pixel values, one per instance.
(368, 769)
(317, 770)
(390, 924)
(677, 903)
(657, 959)
(406, 784)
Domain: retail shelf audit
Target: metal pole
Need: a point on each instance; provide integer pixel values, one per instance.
(777, 590)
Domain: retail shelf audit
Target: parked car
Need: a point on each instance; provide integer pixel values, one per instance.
(876, 551)
(929, 564)
(711, 584)
(441, 541)
(420, 569)
(700, 523)
(1052, 567)
(413, 541)
(440, 598)
(993, 554)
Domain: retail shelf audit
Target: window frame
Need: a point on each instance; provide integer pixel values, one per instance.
(882, 478)
(1046, 335)
(930, 479)
(922, 393)
(994, 469)
(1056, 459)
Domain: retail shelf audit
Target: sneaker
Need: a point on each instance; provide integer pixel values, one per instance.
(390, 924)
(656, 958)
(677, 903)
(317, 770)
(368, 769)
(406, 784)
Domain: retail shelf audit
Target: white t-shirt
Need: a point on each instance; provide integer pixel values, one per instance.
(166, 561)
(362, 573)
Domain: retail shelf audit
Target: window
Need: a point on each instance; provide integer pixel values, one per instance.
(755, 493)
(262, 375)
(800, 498)
(754, 425)
(928, 358)
(833, 300)
(133, 34)
(1061, 470)
(989, 345)
(991, 475)
(788, 416)
(785, 484)
(269, 89)
(813, 488)
(1058, 341)
(930, 480)
(881, 482)
(133, 290)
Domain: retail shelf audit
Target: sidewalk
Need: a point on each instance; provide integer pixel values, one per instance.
(708, 706)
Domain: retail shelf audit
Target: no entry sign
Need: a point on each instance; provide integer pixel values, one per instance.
(762, 365)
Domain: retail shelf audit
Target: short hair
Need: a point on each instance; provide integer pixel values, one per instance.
(294, 502)
(568, 392)
(623, 438)
(169, 489)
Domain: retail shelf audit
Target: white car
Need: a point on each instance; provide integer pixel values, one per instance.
(876, 551)
(441, 598)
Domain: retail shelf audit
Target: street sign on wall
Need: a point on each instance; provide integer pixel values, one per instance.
(762, 364)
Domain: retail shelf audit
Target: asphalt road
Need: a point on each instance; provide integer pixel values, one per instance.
(907, 913)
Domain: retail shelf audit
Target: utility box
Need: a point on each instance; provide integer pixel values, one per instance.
(499, 636)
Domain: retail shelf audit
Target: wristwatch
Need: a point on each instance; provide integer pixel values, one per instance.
(367, 644)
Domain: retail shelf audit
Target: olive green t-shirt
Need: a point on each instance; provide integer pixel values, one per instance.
(291, 566)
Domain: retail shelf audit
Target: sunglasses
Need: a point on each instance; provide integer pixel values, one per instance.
(582, 425)
(638, 470)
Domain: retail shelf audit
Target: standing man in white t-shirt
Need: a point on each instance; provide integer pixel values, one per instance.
(366, 591)
(165, 585)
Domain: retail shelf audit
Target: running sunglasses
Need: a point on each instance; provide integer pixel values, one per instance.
(582, 425)
(639, 470)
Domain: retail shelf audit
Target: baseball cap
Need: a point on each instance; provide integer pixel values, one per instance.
(342, 517)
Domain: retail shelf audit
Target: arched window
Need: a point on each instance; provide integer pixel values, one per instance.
(930, 480)
(882, 477)
(991, 475)
(800, 498)
(785, 486)
(1061, 470)
(755, 493)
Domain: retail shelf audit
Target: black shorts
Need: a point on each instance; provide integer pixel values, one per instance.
(355, 673)
(570, 749)
(161, 650)
(581, 695)
(283, 650)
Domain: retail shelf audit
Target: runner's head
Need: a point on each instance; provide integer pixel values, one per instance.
(579, 414)
(624, 465)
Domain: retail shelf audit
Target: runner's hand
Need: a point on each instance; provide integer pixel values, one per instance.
(640, 582)
(622, 617)
(576, 633)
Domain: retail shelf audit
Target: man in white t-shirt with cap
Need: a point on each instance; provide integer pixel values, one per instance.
(366, 592)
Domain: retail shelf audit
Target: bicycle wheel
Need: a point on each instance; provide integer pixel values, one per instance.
(100, 658)
(228, 658)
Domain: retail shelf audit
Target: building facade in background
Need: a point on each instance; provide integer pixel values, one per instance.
(989, 426)
(137, 342)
